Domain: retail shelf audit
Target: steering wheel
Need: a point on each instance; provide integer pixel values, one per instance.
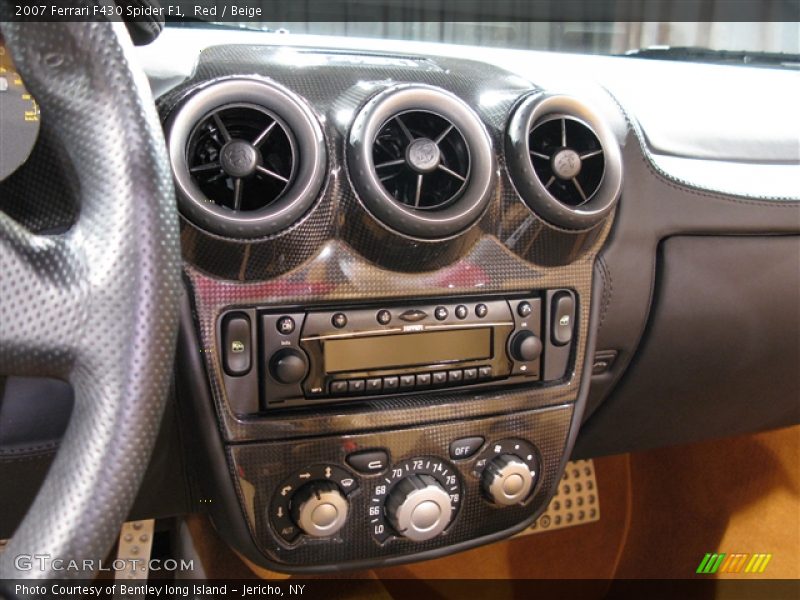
(97, 305)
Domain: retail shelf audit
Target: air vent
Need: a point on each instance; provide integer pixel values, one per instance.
(248, 158)
(421, 161)
(564, 161)
(242, 157)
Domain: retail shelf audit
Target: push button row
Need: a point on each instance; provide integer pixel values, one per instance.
(404, 383)
(394, 383)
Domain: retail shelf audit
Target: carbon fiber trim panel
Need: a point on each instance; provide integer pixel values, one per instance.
(262, 467)
(339, 252)
(336, 85)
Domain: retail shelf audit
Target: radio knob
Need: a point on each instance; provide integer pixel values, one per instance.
(419, 508)
(507, 480)
(319, 509)
(288, 366)
(525, 346)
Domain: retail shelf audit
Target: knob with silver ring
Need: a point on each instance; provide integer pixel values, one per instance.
(507, 480)
(319, 509)
(419, 508)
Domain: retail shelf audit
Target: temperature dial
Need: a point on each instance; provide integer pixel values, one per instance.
(417, 499)
(419, 508)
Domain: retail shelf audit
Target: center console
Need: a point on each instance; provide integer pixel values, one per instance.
(390, 273)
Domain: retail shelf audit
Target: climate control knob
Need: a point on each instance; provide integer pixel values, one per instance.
(507, 480)
(419, 508)
(525, 346)
(319, 509)
(288, 366)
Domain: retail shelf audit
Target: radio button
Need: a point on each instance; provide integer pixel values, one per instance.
(524, 309)
(440, 313)
(285, 325)
(390, 383)
(413, 315)
(439, 378)
(338, 387)
(455, 376)
(525, 346)
(407, 382)
(288, 366)
(383, 317)
(236, 345)
(339, 320)
(461, 311)
(355, 386)
(485, 372)
(470, 374)
(481, 310)
(374, 385)
(369, 461)
(424, 379)
(563, 309)
(465, 447)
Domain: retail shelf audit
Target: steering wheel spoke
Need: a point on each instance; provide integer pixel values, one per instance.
(39, 306)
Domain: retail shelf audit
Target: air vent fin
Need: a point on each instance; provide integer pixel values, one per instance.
(421, 161)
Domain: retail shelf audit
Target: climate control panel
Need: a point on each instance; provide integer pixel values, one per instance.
(376, 497)
(384, 496)
(415, 499)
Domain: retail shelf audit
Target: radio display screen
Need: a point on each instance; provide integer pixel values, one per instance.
(407, 350)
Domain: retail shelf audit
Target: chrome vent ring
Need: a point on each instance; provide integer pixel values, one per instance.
(564, 161)
(421, 162)
(248, 157)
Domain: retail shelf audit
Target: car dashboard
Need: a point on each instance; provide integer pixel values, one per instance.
(420, 278)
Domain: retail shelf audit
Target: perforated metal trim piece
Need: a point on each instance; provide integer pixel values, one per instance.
(135, 544)
(576, 502)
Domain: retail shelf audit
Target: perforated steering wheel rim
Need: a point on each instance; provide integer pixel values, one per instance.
(97, 305)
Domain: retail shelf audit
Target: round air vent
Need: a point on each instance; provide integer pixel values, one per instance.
(564, 161)
(248, 158)
(421, 161)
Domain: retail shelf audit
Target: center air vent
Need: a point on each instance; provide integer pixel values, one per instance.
(421, 161)
(248, 158)
(564, 161)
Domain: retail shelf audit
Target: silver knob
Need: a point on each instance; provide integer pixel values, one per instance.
(319, 509)
(419, 508)
(507, 480)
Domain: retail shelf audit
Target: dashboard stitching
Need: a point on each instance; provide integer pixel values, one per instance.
(689, 187)
(608, 290)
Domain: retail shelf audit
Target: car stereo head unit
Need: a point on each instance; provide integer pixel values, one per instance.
(335, 354)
